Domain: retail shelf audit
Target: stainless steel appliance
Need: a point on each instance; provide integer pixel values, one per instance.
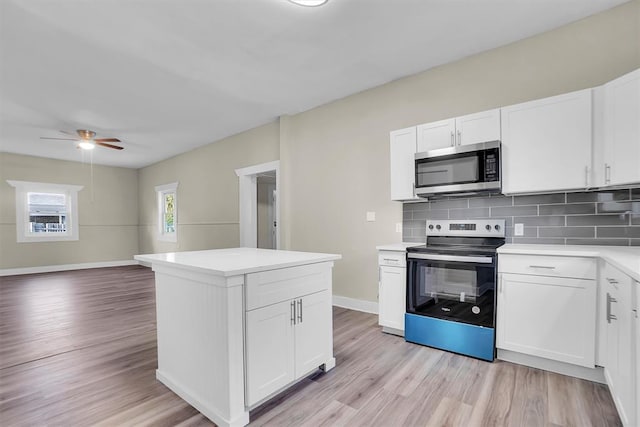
(469, 169)
(451, 283)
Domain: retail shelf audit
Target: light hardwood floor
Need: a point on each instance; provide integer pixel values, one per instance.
(79, 348)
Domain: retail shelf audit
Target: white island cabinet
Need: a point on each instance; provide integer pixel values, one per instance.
(236, 326)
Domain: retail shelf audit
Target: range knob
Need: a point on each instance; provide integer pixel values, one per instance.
(497, 227)
(438, 227)
(430, 226)
(488, 227)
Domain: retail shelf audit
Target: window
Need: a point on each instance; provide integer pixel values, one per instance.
(46, 212)
(168, 212)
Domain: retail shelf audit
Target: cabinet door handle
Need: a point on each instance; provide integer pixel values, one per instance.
(300, 311)
(293, 312)
(607, 174)
(548, 267)
(453, 142)
(459, 138)
(612, 281)
(610, 316)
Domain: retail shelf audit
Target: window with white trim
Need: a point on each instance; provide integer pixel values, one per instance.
(46, 212)
(167, 212)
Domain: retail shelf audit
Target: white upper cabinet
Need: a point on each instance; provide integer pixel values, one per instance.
(546, 144)
(478, 127)
(402, 154)
(622, 130)
(469, 129)
(434, 135)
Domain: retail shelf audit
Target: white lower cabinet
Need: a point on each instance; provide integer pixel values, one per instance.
(288, 328)
(392, 297)
(620, 363)
(270, 350)
(546, 307)
(392, 289)
(637, 340)
(286, 341)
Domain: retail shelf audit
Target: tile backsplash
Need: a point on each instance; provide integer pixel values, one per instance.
(609, 217)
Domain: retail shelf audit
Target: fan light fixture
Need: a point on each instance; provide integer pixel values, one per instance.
(87, 145)
(309, 3)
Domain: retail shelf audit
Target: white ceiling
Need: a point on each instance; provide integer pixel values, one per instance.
(167, 76)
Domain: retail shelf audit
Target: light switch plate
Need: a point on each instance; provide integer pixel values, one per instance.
(371, 216)
(518, 230)
(398, 227)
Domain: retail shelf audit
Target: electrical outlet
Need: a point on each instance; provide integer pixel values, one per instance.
(371, 216)
(518, 230)
(398, 227)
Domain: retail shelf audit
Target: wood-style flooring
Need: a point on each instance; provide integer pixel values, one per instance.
(79, 348)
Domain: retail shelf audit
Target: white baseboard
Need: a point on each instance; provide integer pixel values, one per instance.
(591, 374)
(64, 267)
(355, 304)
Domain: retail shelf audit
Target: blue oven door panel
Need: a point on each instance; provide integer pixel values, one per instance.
(463, 338)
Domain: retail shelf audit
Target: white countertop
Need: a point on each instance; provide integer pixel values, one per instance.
(625, 258)
(398, 247)
(236, 261)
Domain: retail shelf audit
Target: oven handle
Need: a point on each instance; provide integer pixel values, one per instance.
(436, 257)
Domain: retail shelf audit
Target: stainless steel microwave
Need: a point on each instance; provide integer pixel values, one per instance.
(472, 169)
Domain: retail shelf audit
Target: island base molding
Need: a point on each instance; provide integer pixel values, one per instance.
(212, 413)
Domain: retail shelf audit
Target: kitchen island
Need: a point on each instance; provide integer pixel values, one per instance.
(237, 326)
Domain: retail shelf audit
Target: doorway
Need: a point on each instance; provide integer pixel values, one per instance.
(259, 205)
(266, 221)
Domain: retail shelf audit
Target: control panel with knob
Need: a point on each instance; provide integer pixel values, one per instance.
(471, 228)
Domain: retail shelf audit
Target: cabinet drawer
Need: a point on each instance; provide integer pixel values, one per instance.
(553, 266)
(394, 259)
(273, 286)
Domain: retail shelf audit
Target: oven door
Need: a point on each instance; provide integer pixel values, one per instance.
(460, 288)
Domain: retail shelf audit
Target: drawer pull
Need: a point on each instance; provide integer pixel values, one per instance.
(390, 259)
(610, 280)
(548, 267)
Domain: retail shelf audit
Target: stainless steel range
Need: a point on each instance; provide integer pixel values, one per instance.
(451, 284)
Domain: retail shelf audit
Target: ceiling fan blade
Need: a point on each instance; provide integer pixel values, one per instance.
(104, 144)
(60, 139)
(107, 140)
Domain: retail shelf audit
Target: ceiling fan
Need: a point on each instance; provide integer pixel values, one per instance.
(87, 141)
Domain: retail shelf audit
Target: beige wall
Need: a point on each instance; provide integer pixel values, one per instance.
(207, 191)
(107, 210)
(335, 158)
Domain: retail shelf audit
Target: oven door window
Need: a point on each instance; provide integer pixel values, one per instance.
(462, 292)
(446, 171)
